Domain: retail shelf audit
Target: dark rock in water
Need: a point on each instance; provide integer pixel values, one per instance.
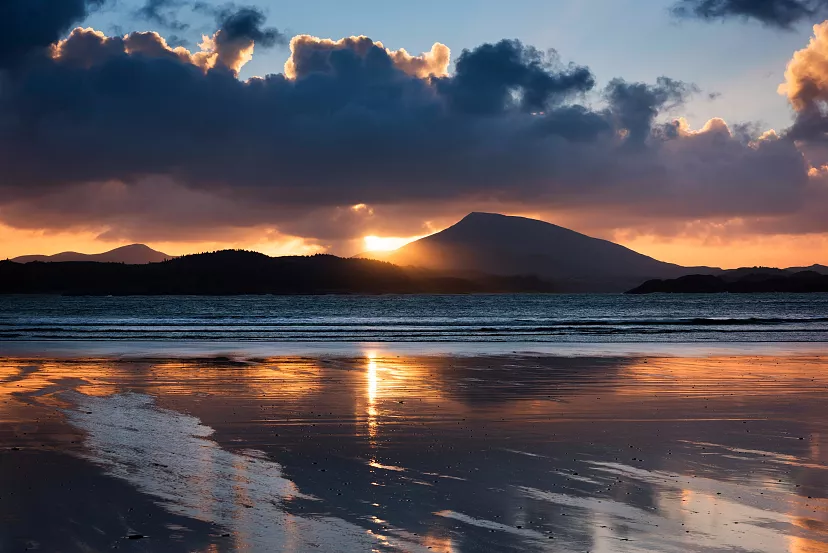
(135, 536)
(749, 283)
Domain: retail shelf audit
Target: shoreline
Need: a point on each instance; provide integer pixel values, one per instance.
(133, 350)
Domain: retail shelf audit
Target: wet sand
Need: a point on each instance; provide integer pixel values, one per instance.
(391, 452)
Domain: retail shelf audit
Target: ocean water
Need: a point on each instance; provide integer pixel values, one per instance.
(434, 319)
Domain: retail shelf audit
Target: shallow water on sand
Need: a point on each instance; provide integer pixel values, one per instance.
(415, 453)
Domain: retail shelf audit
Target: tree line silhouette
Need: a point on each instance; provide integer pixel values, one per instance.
(235, 272)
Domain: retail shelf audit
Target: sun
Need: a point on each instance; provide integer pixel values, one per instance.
(385, 243)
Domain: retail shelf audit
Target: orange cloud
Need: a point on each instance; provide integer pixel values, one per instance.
(806, 77)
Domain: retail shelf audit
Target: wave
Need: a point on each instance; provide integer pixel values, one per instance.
(379, 324)
(426, 319)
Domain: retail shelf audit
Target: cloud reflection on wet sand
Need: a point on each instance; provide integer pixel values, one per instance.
(454, 453)
(169, 456)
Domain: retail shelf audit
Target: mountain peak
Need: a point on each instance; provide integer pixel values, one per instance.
(482, 215)
(510, 245)
(493, 217)
(132, 254)
(502, 221)
(133, 247)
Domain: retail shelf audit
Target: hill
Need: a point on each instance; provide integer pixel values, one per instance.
(733, 275)
(758, 282)
(503, 245)
(135, 254)
(821, 269)
(235, 272)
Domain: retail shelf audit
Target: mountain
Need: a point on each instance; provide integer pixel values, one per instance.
(135, 254)
(821, 269)
(235, 272)
(733, 275)
(762, 282)
(503, 245)
(760, 273)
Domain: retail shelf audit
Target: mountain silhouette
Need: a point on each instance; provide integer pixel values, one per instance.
(821, 269)
(233, 272)
(135, 254)
(776, 281)
(503, 245)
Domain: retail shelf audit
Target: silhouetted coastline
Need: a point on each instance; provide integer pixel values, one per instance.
(236, 272)
(750, 283)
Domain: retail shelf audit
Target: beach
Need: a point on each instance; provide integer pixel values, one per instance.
(445, 277)
(387, 451)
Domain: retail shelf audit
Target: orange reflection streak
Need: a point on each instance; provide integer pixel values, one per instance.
(439, 544)
(683, 389)
(724, 377)
(804, 545)
(20, 377)
(284, 378)
(373, 384)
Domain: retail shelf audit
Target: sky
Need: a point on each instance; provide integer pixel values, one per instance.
(690, 130)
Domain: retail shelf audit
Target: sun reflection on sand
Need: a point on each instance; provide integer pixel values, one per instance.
(373, 385)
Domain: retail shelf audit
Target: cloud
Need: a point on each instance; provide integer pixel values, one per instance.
(782, 14)
(309, 54)
(231, 47)
(806, 86)
(497, 77)
(246, 24)
(637, 105)
(149, 140)
(240, 28)
(29, 26)
(163, 13)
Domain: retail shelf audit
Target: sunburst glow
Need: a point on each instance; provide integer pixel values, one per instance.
(386, 243)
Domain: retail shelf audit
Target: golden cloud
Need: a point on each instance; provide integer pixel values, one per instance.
(436, 62)
(806, 76)
(88, 46)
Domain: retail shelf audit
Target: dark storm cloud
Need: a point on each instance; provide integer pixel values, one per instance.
(163, 13)
(637, 104)
(27, 26)
(247, 23)
(347, 129)
(487, 77)
(85, 128)
(774, 13)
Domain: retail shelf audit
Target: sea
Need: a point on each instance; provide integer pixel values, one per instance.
(513, 318)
